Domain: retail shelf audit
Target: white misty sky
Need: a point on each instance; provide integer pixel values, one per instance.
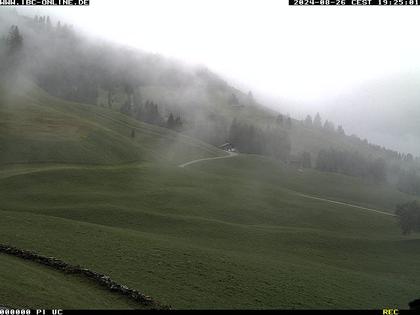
(299, 53)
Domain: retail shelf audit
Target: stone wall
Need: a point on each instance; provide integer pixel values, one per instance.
(99, 278)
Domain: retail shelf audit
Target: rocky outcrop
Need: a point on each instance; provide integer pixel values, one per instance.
(99, 278)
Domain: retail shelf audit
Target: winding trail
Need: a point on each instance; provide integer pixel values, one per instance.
(343, 204)
(231, 154)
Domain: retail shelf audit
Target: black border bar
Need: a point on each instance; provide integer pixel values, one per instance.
(338, 3)
(145, 311)
(44, 2)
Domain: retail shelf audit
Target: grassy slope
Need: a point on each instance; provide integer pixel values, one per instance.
(28, 285)
(35, 127)
(224, 233)
(192, 238)
(309, 181)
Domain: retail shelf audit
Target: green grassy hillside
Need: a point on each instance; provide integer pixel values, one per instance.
(193, 238)
(28, 285)
(227, 233)
(38, 128)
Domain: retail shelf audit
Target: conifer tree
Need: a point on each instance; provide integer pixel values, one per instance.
(317, 121)
(170, 123)
(14, 40)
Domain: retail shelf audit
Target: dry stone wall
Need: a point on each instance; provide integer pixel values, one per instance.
(99, 278)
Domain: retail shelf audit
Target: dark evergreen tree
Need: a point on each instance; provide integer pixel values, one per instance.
(340, 130)
(170, 123)
(409, 217)
(317, 121)
(279, 119)
(377, 170)
(251, 99)
(275, 143)
(306, 160)
(409, 182)
(249, 139)
(126, 108)
(329, 126)
(150, 114)
(351, 163)
(14, 40)
(178, 123)
(233, 100)
(48, 22)
(289, 122)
